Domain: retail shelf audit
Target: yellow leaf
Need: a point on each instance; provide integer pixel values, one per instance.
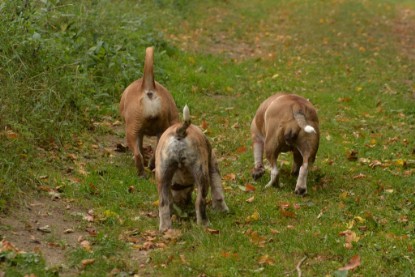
(359, 219)
(253, 217)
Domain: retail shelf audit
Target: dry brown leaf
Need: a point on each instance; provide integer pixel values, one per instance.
(212, 231)
(256, 239)
(287, 213)
(352, 264)
(230, 177)
(241, 149)
(183, 259)
(266, 259)
(86, 245)
(250, 199)
(204, 125)
(230, 255)
(349, 238)
(172, 234)
(359, 176)
(352, 155)
(11, 135)
(87, 262)
(249, 187)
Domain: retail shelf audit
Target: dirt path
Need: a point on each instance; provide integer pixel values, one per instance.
(48, 226)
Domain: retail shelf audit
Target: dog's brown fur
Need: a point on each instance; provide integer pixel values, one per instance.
(285, 122)
(148, 110)
(185, 159)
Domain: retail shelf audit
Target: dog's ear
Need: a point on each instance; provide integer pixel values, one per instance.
(148, 78)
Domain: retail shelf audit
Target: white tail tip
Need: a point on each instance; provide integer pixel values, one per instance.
(309, 129)
(186, 113)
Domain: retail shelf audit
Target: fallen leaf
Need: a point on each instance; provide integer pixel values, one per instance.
(204, 125)
(11, 135)
(87, 262)
(250, 199)
(230, 255)
(266, 259)
(86, 245)
(344, 99)
(349, 237)
(230, 177)
(287, 213)
(252, 217)
(212, 231)
(352, 155)
(68, 231)
(274, 231)
(256, 239)
(241, 149)
(359, 176)
(183, 259)
(352, 264)
(172, 234)
(44, 229)
(249, 187)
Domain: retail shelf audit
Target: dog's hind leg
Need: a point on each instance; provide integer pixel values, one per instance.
(301, 186)
(165, 199)
(297, 162)
(274, 175)
(135, 142)
(258, 149)
(201, 181)
(152, 161)
(271, 153)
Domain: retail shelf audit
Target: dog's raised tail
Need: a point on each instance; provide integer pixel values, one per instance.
(181, 131)
(148, 77)
(301, 121)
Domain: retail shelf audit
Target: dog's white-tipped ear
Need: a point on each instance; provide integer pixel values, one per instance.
(186, 113)
(309, 129)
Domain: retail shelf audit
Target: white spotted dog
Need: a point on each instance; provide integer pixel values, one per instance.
(185, 160)
(148, 110)
(282, 123)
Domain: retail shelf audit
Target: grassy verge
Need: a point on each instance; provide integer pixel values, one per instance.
(67, 64)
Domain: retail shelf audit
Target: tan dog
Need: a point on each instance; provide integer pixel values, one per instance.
(184, 159)
(148, 110)
(285, 122)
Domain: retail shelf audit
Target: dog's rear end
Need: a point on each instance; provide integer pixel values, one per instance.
(184, 159)
(148, 109)
(285, 122)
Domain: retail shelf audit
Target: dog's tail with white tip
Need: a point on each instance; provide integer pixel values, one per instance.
(181, 131)
(301, 121)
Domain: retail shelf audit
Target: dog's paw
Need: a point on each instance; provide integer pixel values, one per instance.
(220, 206)
(258, 172)
(301, 191)
(152, 164)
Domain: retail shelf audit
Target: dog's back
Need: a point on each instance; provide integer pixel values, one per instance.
(147, 103)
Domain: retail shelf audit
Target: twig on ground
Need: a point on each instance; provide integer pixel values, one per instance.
(299, 265)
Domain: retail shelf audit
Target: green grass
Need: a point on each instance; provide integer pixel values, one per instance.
(65, 66)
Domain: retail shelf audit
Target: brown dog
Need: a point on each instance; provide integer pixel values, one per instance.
(282, 123)
(184, 159)
(148, 110)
